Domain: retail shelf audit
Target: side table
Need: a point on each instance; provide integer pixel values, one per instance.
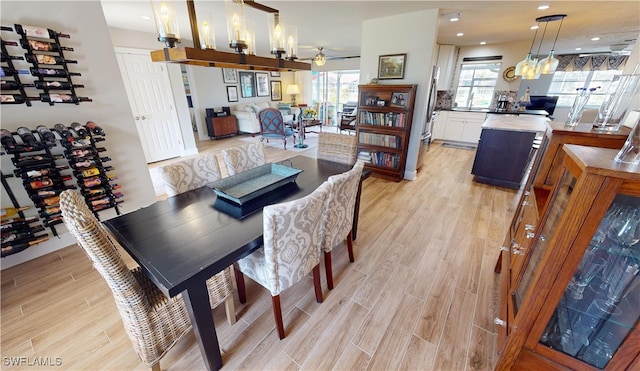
(223, 126)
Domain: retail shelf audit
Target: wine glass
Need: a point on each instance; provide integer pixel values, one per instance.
(623, 229)
(606, 223)
(589, 266)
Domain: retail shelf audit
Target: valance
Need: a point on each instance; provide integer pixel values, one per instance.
(575, 62)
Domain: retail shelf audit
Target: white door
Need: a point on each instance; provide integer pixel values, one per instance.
(149, 91)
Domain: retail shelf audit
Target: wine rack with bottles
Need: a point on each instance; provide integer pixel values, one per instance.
(40, 172)
(49, 66)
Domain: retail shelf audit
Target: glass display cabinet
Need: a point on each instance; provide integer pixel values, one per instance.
(576, 301)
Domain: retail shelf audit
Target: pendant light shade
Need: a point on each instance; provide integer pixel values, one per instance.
(320, 59)
(530, 68)
(549, 64)
(524, 65)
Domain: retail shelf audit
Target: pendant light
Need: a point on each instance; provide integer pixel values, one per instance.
(320, 59)
(549, 64)
(524, 66)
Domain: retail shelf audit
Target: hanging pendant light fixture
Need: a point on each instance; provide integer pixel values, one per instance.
(524, 66)
(549, 64)
(320, 59)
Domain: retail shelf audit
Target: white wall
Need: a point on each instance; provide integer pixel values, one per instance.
(414, 34)
(85, 22)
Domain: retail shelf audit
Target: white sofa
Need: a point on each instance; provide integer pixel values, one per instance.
(247, 115)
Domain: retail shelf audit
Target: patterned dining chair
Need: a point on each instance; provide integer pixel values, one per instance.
(337, 147)
(272, 126)
(153, 322)
(292, 243)
(243, 158)
(339, 214)
(185, 175)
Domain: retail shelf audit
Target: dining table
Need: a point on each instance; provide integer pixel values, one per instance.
(186, 239)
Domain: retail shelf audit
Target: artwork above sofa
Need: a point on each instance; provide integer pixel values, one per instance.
(247, 115)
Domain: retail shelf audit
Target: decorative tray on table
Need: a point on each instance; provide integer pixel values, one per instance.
(253, 183)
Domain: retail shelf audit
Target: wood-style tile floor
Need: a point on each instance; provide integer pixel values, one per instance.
(421, 294)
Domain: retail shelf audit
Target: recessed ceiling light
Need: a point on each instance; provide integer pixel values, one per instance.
(578, 48)
(454, 17)
(460, 34)
(483, 43)
(543, 7)
(145, 17)
(595, 38)
(534, 27)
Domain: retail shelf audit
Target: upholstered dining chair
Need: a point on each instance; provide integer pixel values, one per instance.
(338, 215)
(272, 126)
(337, 147)
(153, 322)
(242, 158)
(186, 175)
(292, 243)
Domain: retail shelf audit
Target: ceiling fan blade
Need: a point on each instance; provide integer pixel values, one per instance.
(344, 57)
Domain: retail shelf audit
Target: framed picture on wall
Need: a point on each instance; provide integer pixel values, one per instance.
(262, 84)
(229, 76)
(275, 73)
(247, 85)
(391, 66)
(232, 93)
(276, 90)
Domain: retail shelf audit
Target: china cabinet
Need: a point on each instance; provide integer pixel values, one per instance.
(575, 300)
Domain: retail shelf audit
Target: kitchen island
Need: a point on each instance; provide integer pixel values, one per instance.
(507, 145)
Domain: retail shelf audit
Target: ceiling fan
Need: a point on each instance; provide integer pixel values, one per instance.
(321, 58)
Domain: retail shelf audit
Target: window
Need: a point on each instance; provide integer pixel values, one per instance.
(565, 83)
(476, 84)
(331, 90)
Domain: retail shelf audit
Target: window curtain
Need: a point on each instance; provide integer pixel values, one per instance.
(574, 62)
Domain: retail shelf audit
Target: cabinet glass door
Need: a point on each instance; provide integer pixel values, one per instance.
(541, 244)
(601, 304)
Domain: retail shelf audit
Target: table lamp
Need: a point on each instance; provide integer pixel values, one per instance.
(292, 90)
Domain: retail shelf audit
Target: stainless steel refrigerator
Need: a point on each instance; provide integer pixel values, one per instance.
(430, 116)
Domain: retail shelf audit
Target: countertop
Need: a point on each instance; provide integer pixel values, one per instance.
(534, 123)
(493, 111)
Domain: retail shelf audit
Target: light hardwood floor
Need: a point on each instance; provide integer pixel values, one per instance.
(421, 294)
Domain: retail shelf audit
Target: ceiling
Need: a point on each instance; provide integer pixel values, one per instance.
(336, 25)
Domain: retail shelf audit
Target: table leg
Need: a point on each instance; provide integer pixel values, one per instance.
(196, 299)
(354, 228)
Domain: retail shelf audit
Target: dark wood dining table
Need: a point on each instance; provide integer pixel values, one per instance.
(186, 239)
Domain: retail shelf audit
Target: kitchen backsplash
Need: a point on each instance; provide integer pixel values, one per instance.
(444, 98)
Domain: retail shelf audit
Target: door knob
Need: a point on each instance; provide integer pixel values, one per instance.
(137, 117)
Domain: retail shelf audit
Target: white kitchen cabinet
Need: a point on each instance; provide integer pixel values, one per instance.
(464, 126)
(446, 62)
(440, 122)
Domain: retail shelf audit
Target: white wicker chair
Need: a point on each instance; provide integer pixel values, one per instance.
(242, 158)
(339, 214)
(153, 322)
(185, 175)
(337, 147)
(292, 243)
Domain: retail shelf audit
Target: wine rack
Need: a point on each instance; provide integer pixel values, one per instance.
(49, 67)
(43, 179)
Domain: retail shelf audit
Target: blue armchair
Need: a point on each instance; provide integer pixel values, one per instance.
(272, 126)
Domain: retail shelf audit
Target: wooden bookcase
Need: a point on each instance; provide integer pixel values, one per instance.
(383, 126)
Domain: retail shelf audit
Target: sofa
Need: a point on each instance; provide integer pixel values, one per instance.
(247, 115)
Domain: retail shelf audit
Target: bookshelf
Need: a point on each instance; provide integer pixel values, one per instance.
(383, 126)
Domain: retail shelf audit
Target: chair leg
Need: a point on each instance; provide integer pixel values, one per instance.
(277, 314)
(350, 246)
(316, 283)
(156, 366)
(242, 294)
(230, 309)
(327, 269)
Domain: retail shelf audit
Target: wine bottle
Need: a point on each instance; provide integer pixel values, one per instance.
(57, 72)
(78, 153)
(9, 43)
(10, 249)
(91, 197)
(13, 85)
(20, 236)
(95, 129)
(41, 46)
(27, 136)
(46, 183)
(50, 201)
(79, 129)
(62, 131)
(32, 160)
(97, 192)
(50, 211)
(47, 59)
(45, 134)
(88, 162)
(7, 139)
(46, 193)
(106, 206)
(63, 98)
(8, 71)
(34, 31)
(57, 219)
(17, 224)
(38, 173)
(15, 99)
(55, 85)
(10, 212)
(96, 181)
(5, 57)
(82, 143)
(93, 171)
